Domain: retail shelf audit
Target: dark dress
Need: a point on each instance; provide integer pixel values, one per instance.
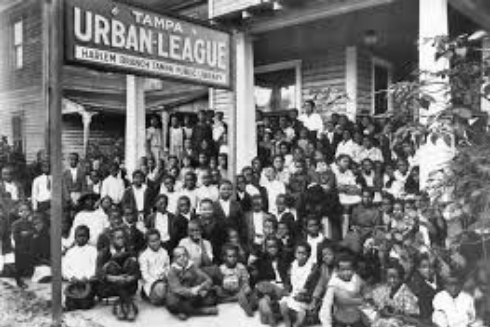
(22, 232)
(425, 294)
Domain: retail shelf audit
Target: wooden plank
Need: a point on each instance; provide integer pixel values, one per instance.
(53, 55)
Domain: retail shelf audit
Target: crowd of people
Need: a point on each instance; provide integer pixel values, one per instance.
(327, 225)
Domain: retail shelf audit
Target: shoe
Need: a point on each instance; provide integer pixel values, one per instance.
(209, 311)
(21, 284)
(120, 310)
(182, 316)
(245, 305)
(132, 311)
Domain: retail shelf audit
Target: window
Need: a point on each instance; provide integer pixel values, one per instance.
(18, 132)
(382, 78)
(19, 44)
(278, 86)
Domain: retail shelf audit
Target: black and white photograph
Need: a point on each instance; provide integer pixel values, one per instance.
(245, 163)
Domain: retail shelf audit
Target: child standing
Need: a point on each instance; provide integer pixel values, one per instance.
(154, 264)
(168, 188)
(22, 233)
(300, 296)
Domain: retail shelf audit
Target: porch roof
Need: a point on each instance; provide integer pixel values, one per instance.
(396, 25)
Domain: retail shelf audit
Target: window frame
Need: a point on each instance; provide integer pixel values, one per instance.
(380, 62)
(284, 65)
(18, 43)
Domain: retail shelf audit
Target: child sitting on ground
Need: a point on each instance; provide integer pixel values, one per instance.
(344, 296)
(118, 273)
(189, 289)
(154, 264)
(235, 281)
(270, 277)
(79, 268)
(298, 301)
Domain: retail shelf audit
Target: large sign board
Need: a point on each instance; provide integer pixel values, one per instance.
(223, 7)
(116, 37)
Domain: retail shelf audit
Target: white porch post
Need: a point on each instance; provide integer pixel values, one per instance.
(246, 130)
(86, 120)
(135, 122)
(351, 81)
(433, 22)
(165, 116)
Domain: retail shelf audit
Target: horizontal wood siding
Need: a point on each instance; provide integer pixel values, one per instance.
(325, 75)
(11, 78)
(364, 82)
(223, 100)
(28, 104)
(104, 131)
(21, 89)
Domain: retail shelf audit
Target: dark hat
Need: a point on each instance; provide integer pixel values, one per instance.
(88, 195)
(78, 290)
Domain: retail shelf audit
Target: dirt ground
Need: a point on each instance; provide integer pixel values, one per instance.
(32, 307)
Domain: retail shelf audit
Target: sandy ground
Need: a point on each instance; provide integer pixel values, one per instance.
(31, 308)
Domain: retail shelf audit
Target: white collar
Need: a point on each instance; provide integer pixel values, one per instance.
(114, 251)
(178, 267)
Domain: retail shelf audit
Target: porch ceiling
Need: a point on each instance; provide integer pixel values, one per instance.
(395, 24)
(163, 5)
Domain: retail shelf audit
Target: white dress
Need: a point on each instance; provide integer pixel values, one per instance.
(299, 276)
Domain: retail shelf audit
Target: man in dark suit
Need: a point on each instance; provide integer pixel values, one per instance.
(242, 196)
(201, 131)
(138, 196)
(176, 225)
(226, 209)
(254, 232)
(329, 140)
(74, 181)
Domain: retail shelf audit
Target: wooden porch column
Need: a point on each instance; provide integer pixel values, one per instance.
(86, 120)
(351, 81)
(165, 116)
(135, 122)
(433, 22)
(246, 129)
